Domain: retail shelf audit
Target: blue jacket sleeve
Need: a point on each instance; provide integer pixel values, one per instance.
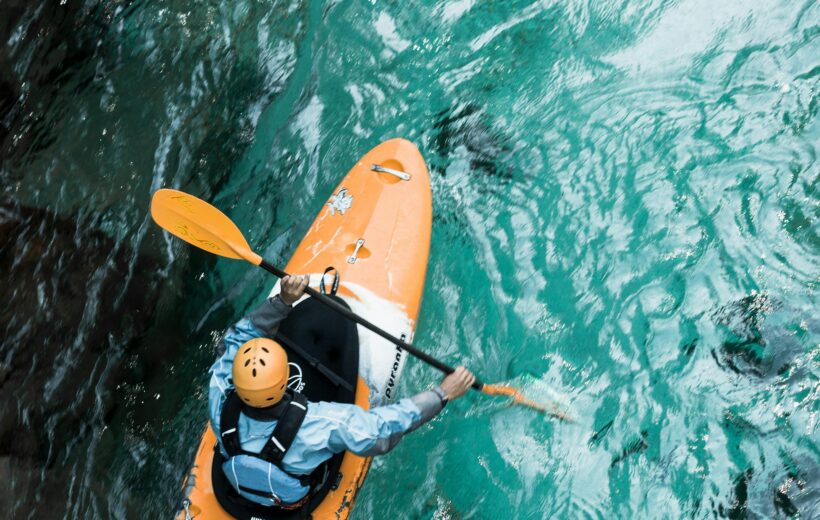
(377, 431)
(262, 322)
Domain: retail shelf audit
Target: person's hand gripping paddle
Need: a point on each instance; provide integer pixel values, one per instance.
(202, 225)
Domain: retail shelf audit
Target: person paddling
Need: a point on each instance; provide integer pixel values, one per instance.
(271, 439)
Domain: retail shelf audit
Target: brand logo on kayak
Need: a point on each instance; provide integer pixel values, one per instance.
(295, 382)
(394, 372)
(340, 202)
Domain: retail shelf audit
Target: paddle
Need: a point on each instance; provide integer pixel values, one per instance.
(202, 225)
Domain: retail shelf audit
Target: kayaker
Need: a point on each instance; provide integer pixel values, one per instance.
(272, 439)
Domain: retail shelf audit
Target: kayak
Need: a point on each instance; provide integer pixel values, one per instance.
(368, 248)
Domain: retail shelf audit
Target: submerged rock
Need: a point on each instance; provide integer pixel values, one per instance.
(469, 126)
(759, 335)
(75, 299)
(41, 47)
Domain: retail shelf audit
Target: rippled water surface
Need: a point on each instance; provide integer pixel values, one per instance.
(626, 200)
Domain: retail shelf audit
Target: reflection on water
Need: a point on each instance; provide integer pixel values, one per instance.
(626, 207)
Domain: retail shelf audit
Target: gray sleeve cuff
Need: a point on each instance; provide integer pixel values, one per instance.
(430, 403)
(442, 395)
(269, 315)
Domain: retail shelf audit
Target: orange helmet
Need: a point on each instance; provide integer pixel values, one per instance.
(260, 372)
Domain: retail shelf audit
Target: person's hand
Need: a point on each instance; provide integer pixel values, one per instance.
(293, 287)
(456, 384)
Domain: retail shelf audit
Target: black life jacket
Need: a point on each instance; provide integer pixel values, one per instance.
(289, 413)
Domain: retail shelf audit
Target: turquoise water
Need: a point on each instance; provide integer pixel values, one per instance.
(626, 222)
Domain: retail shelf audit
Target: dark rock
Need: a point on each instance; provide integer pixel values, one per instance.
(44, 48)
(469, 126)
(759, 336)
(638, 445)
(75, 299)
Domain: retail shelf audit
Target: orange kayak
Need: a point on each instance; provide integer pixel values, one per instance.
(375, 231)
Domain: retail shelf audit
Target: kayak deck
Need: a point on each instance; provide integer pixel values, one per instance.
(374, 230)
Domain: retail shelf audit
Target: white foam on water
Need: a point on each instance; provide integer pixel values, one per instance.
(529, 455)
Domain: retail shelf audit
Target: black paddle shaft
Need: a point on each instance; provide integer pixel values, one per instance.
(430, 360)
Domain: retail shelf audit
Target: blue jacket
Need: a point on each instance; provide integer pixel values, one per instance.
(328, 428)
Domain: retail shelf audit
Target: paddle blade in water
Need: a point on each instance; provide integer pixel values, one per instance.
(518, 398)
(200, 224)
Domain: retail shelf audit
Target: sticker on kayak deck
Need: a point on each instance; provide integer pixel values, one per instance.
(340, 202)
(295, 382)
(394, 373)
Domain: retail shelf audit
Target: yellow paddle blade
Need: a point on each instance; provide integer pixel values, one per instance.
(518, 398)
(200, 224)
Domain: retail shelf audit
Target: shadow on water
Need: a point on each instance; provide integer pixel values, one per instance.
(105, 337)
(52, 50)
(75, 303)
(89, 344)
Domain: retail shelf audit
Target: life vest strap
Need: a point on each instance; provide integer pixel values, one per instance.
(288, 421)
(286, 429)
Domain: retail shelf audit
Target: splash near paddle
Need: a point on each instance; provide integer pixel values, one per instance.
(518, 398)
